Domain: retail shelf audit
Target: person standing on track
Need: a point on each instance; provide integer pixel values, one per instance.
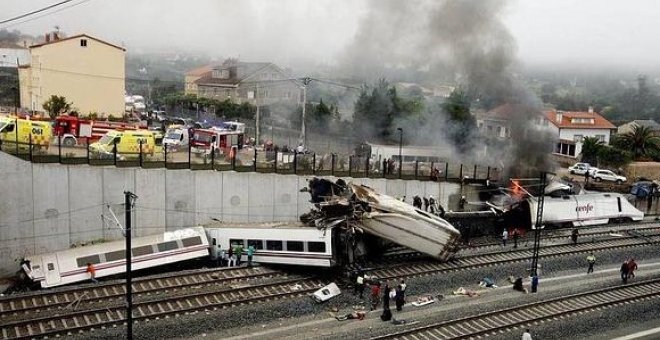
(591, 260)
(574, 236)
(250, 253)
(624, 272)
(239, 253)
(515, 236)
(92, 272)
(527, 335)
(505, 236)
(632, 266)
(375, 295)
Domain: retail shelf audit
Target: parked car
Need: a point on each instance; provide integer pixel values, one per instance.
(607, 175)
(579, 168)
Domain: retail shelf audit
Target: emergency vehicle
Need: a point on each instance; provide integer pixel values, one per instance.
(127, 142)
(33, 132)
(177, 136)
(73, 130)
(221, 139)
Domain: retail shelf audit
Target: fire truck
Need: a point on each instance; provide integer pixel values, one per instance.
(219, 139)
(73, 130)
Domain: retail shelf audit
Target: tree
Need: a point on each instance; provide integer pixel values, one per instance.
(461, 121)
(56, 105)
(590, 149)
(640, 141)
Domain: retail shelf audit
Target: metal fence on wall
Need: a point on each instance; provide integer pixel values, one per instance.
(252, 159)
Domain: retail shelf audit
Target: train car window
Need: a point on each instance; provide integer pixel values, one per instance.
(618, 203)
(295, 246)
(51, 267)
(257, 244)
(234, 242)
(274, 245)
(115, 255)
(316, 247)
(166, 246)
(607, 195)
(191, 241)
(144, 250)
(83, 261)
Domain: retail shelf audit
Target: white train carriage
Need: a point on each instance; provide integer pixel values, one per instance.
(583, 210)
(406, 225)
(70, 266)
(277, 243)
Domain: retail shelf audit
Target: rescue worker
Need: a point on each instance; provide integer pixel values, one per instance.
(505, 237)
(92, 272)
(624, 271)
(515, 235)
(250, 253)
(398, 298)
(426, 204)
(403, 287)
(574, 235)
(386, 297)
(231, 259)
(432, 204)
(239, 254)
(591, 260)
(417, 202)
(632, 266)
(375, 295)
(535, 283)
(461, 203)
(359, 283)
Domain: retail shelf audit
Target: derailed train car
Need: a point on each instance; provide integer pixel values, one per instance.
(364, 210)
(574, 211)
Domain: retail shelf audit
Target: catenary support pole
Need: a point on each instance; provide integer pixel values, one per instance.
(128, 198)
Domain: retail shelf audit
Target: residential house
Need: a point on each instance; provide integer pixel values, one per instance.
(501, 121)
(193, 75)
(570, 129)
(242, 82)
(649, 123)
(86, 70)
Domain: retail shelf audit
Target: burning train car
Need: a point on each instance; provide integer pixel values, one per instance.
(362, 209)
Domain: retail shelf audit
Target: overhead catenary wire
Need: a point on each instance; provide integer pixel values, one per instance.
(39, 11)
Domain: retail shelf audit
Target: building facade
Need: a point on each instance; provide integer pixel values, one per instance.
(570, 129)
(88, 71)
(240, 82)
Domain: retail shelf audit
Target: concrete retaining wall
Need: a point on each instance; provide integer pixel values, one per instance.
(48, 207)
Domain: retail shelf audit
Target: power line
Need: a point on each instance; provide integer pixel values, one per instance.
(38, 11)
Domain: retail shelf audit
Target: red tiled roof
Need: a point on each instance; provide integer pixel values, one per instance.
(200, 71)
(76, 37)
(599, 121)
(510, 111)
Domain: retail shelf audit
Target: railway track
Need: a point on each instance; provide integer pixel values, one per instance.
(101, 318)
(502, 320)
(403, 254)
(20, 306)
(423, 268)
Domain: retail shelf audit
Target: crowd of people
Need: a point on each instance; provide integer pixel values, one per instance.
(380, 292)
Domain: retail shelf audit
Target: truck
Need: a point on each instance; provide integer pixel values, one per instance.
(71, 130)
(24, 132)
(220, 139)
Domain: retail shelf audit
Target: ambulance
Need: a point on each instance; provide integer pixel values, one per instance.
(37, 133)
(127, 142)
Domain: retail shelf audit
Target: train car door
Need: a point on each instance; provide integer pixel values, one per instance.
(51, 268)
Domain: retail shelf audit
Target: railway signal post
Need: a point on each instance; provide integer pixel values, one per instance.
(538, 225)
(129, 197)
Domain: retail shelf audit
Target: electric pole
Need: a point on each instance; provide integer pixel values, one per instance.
(303, 135)
(256, 101)
(539, 224)
(129, 197)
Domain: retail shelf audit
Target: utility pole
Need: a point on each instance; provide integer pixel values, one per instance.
(256, 100)
(539, 224)
(129, 196)
(303, 132)
(400, 146)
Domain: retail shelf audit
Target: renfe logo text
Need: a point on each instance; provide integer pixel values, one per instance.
(584, 208)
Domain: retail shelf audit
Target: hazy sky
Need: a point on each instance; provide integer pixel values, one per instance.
(611, 32)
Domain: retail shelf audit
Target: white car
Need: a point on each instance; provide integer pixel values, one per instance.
(579, 168)
(607, 175)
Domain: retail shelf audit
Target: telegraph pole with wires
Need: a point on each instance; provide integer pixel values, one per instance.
(129, 199)
(538, 225)
(303, 132)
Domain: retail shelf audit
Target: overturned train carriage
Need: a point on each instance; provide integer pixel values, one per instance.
(363, 209)
(406, 225)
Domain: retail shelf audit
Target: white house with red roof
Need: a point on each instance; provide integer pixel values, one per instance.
(571, 127)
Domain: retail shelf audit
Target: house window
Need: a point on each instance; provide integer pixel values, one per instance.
(601, 138)
(227, 93)
(578, 138)
(83, 42)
